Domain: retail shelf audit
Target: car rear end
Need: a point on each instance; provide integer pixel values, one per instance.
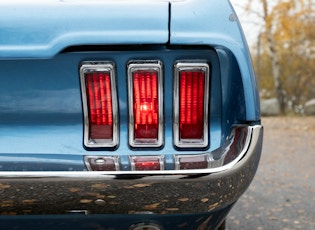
(138, 114)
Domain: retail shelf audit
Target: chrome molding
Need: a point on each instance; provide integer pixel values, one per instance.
(145, 65)
(221, 159)
(104, 66)
(190, 65)
(135, 191)
(232, 150)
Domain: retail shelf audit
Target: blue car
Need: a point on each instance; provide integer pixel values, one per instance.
(124, 114)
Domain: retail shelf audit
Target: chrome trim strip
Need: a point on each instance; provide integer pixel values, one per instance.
(102, 66)
(161, 192)
(145, 65)
(190, 65)
(223, 158)
(217, 159)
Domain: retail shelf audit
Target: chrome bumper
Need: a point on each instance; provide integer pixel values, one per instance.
(161, 192)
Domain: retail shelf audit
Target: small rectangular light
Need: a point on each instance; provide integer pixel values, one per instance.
(145, 103)
(101, 163)
(99, 104)
(147, 163)
(191, 96)
(183, 162)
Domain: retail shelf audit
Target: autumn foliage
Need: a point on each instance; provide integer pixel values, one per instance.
(286, 61)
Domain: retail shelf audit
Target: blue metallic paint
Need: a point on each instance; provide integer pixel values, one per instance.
(41, 29)
(214, 23)
(42, 114)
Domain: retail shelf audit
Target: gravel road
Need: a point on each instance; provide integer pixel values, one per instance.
(282, 195)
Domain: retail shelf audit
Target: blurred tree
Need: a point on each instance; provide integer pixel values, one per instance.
(287, 55)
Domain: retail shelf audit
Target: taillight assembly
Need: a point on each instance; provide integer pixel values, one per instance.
(191, 98)
(99, 104)
(145, 103)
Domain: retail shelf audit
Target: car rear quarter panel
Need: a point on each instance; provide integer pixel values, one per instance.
(215, 23)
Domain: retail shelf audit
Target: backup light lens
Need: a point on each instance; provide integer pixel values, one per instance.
(100, 104)
(145, 104)
(191, 105)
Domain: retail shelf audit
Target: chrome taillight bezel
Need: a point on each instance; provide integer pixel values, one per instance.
(190, 65)
(146, 65)
(102, 66)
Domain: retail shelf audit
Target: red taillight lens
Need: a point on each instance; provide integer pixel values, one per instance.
(143, 163)
(99, 97)
(100, 104)
(191, 105)
(145, 104)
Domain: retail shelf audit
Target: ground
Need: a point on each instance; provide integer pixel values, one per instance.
(282, 195)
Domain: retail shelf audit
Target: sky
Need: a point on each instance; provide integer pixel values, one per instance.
(250, 22)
